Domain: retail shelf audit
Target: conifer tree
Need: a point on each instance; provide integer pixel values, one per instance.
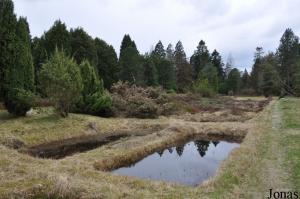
(19, 76)
(150, 72)
(170, 53)
(159, 51)
(245, 81)
(164, 66)
(83, 47)
(183, 69)
(62, 82)
(57, 37)
(210, 73)
(270, 83)
(234, 81)
(94, 99)
(287, 54)
(199, 59)
(257, 71)
(8, 23)
(107, 64)
(130, 62)
(216, 60)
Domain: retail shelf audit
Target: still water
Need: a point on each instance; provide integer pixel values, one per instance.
(189, 163)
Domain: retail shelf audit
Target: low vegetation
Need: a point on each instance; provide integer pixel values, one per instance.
(76, 176)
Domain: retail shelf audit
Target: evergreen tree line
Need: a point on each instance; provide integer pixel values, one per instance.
(276, 73)
(71, 67)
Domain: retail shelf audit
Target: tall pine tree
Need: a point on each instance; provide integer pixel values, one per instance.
(150, 72)
(19, 76)
(183, 69)
(287, 53)
(245, 84)
(107, 64)
(199, 59)
(130, 62)
(57, 37)
(8, 23)
(257, 71)
(83, 47)
(216, 60)
(234, 81)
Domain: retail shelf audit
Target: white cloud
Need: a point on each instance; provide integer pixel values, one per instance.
(230, 26)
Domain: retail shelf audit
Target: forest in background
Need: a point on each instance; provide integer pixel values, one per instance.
(76, 72)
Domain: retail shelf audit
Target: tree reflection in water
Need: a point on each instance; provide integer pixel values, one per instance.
(201, 145)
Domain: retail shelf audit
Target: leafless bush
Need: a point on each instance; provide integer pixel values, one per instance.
(134, 101)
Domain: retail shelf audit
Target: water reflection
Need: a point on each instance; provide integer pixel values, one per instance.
(202, 147)
(188, 163)
(179, 149)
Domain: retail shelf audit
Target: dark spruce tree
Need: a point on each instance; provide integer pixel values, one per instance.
(183, 69)
(8, 23)
(270, 83)
(257, 71)
(107, 64)
(287, 53)
(126, 42)
(216, 60)
(159, 51)
(57, 37)
(20, 75)
(83, 47)
(165, 67)
(94, 99)
(234, 81)
(245, 81)
(170, 53)
(199, 59)
(150, 72)
(130, 62)
(40, 55)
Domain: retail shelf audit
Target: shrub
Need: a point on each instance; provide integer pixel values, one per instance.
(203, 88)
(141, 107)
(93, 100)
(60, 78)
(19, 101)
(134, 101)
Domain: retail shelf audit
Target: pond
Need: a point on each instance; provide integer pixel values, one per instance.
(190, 163)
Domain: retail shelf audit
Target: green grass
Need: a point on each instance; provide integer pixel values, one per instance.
(293, 158)
(291, 113)
(291, 140)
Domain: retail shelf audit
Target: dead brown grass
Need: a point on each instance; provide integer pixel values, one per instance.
(22, 176)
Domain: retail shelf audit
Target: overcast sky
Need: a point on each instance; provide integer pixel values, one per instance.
(233, 27)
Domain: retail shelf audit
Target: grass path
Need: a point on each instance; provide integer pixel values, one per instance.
(276, 174)
(271, 168)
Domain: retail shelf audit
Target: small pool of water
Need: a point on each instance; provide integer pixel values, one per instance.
(189, 163)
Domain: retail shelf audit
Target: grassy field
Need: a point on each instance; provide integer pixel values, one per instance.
(268, 157)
